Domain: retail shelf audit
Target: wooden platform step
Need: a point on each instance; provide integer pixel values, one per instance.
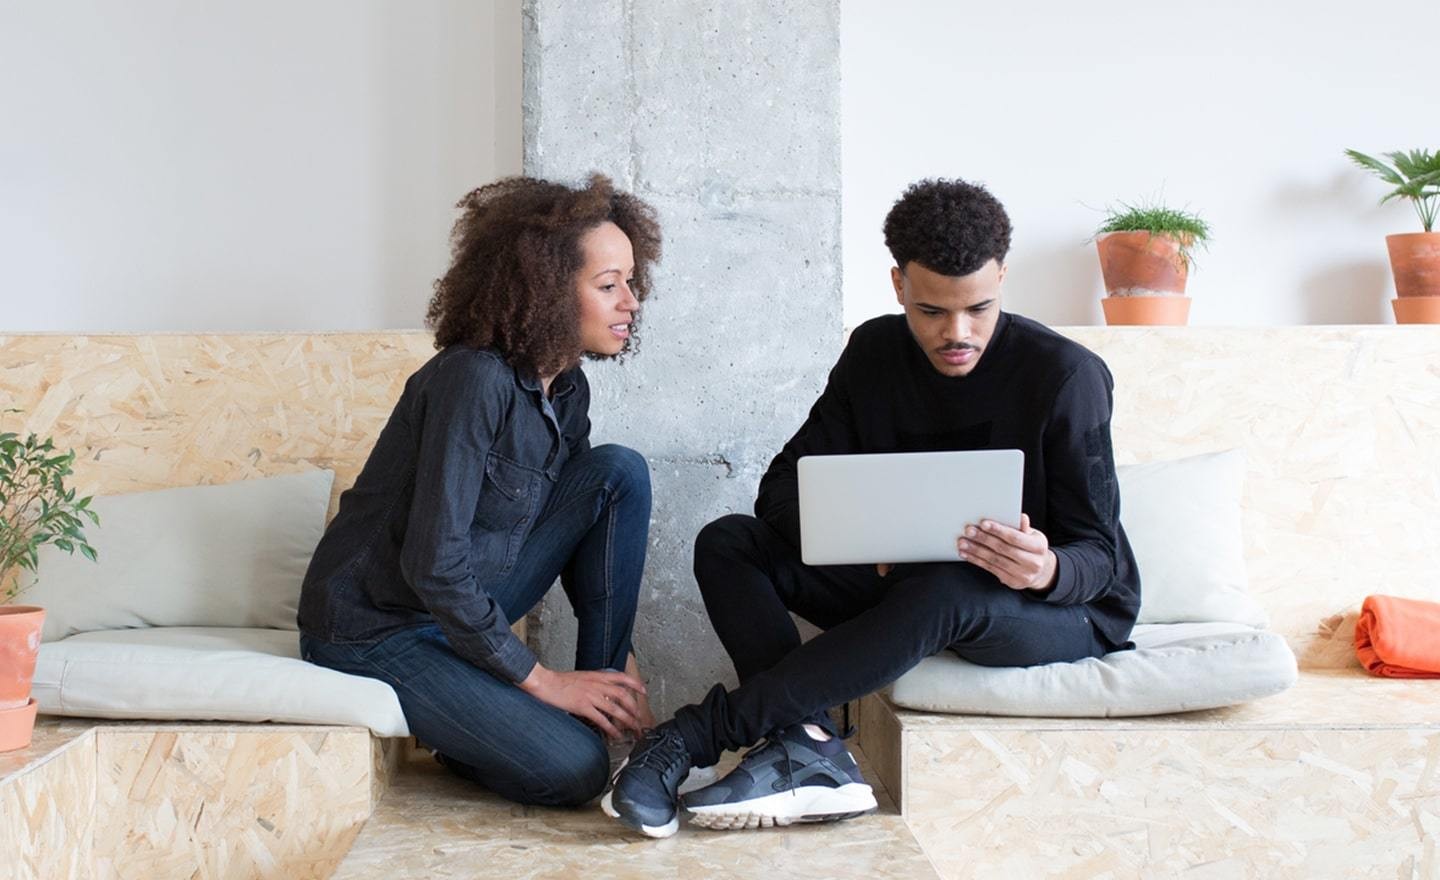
(431, 824)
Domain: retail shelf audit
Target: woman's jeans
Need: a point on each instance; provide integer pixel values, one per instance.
(592, 535)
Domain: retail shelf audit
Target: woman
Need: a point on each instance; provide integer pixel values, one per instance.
(482, 489)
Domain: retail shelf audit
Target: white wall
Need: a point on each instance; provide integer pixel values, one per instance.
(1240, 111)
(243, 164)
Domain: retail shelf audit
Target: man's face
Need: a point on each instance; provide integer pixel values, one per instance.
(951, 316)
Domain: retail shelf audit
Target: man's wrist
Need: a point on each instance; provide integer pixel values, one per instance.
(1048, 584)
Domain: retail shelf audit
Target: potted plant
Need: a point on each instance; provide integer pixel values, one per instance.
(1145, 257)
(36, 509)
(1414, 256)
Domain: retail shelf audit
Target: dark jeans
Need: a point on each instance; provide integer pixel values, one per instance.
(875, 630)
(592, 534)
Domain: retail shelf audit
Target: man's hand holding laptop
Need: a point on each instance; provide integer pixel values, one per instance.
(1021, 558)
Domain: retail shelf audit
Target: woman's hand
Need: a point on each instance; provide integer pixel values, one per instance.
(605, 699)
(642, 702)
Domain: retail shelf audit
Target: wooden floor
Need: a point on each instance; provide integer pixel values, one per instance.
(431, 824)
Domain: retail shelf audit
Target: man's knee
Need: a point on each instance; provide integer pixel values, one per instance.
(955, 591)
(728, 538)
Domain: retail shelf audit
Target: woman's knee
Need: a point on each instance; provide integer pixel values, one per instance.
(625, 469)
(572, 776)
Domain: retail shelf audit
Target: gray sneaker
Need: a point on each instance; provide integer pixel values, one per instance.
(644, 793)
(788, 778)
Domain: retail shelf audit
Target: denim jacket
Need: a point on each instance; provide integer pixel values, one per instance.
(453, 486)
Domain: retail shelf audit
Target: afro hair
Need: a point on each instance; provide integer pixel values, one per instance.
(947, 226)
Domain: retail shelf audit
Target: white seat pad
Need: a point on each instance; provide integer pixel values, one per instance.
(206, 674)
(1179, 667)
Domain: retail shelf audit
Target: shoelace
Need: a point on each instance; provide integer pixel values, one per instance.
(654, 754)
(776, 739)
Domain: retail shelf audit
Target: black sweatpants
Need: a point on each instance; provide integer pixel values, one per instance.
(875, 630)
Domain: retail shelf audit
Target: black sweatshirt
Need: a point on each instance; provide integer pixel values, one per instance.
(1032, 390)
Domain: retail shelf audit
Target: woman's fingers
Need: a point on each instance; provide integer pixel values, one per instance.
(622, 678)
(619, 704)
(598, 718)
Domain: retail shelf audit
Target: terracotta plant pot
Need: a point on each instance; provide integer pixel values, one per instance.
(1142, 264)
(19, 644)
(1417, 309)
(1415, 260)
(1147, 310)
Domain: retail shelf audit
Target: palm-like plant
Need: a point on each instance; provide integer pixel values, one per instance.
(1415, 176)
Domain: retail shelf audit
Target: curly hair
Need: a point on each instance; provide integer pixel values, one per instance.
(515, 254)
(947, 226)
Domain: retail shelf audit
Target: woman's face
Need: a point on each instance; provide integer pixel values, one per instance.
(607, 306)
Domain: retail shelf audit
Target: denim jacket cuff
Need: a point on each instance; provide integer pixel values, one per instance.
(514, 661)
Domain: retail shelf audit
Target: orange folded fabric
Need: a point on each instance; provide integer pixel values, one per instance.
(1399, 638)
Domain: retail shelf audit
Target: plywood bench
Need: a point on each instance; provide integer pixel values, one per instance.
(1338, 777)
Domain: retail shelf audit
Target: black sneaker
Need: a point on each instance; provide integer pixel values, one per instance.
(790, 777)
(643, 793)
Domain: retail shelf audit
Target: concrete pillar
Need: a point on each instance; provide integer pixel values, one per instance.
(726, 117)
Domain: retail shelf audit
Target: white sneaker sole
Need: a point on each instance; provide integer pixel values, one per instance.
(811, 803)
(662, 831)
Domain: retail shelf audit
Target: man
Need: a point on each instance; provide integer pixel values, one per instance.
(954, 372)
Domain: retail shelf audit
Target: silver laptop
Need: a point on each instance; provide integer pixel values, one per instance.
(903, 507)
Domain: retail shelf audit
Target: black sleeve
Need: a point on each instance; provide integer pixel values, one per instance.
(1083, 505)
(460, 410)
(829, 429)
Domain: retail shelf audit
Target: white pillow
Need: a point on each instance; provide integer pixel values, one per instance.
(229, 555)
(206, 674)
(1183, 521)
(1178, 667)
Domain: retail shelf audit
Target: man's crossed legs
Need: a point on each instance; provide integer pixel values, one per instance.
(875, 629)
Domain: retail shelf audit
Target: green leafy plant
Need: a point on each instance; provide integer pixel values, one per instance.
(1186, 228)
(1415, 176)
(36, 508)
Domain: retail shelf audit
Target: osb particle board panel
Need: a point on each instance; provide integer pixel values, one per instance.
(386, 757)
(47, 816)
(47, 739)
(1161, 803)
(434, 824)
(148, 412)
(1341, 428)
(271, 803)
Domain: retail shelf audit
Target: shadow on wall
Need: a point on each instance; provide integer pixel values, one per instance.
(1352, 293)
(1057, 285)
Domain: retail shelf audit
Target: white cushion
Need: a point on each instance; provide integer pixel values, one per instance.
(228, 555)
(206, 674)
(1183, 521)
(1174, 668)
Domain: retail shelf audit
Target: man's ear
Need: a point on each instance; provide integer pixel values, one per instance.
(1003, 267)
(897, 278)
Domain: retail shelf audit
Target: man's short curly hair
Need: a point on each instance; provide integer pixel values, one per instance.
(515, 254)
(947, 226)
